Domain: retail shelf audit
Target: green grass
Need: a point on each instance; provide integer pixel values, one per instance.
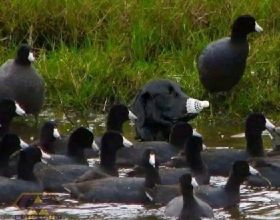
(92, 52)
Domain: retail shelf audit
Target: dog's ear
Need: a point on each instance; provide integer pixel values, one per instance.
(138, 106)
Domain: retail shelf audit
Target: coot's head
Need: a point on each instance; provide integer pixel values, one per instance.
(28, 157)
(149, 159)
(25, 55)
(82, 137)
(244, 25)
(112, 141)
(10, 109)
(255, 124)
(49, 131)
(117, 115)
(11, 143)
(241, 168)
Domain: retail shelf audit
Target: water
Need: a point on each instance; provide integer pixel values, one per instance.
(256, 203)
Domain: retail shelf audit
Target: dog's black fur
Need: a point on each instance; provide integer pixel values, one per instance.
(159, 105)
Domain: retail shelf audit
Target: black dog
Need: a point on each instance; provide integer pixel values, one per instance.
(159, 105)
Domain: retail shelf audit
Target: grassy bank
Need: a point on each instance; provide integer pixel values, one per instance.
(93, 51)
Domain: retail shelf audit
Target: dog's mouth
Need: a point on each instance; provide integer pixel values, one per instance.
(187, 117)
(184, 117)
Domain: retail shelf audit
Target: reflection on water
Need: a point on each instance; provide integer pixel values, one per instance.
(255, 203)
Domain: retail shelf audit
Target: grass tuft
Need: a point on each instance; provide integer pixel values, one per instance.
(90, 52)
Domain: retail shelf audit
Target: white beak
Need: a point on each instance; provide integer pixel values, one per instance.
(31, 57)
(269, 126)
(194, 183)
(126, 142)
(23, 144)
(196, 133)
(56, 133)
(253, 171)
(131, 116)
(19, 110)
(258, 28)
(204, 147)
(152, 159)
(95, 146)
(149, 196)
(45, 155)
(240, 135)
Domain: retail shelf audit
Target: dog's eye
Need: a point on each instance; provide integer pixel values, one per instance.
(170, 90)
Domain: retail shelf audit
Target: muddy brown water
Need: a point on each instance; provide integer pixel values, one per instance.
(256, 203)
